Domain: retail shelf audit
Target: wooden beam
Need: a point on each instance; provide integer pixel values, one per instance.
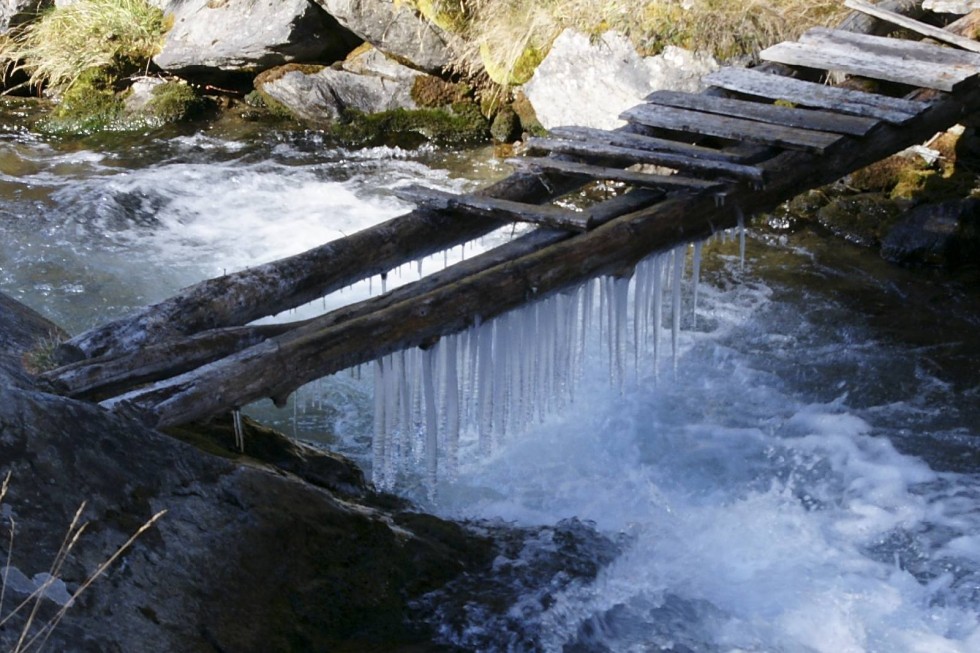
(929, 31)
(598, 152)
(642, 142)
(738, 129)
(278, 366)
(551, 216)
(825, 121)
(893, 47)
(598, 173)
(810, 94)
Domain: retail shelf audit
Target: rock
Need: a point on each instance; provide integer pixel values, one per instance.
(15, 12)
(22, 331)
(943, 234)
(246, 558)
(368, 83)
(590, 82)
(153, 101)
(396, 29)
(248, 35)
(862, 219)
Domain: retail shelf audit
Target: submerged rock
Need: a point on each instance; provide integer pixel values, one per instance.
(606, 76)
(211, 36)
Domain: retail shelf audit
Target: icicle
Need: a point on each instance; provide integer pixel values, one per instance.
(676, 302)
(236, 418)
(640, 293)
(741, 237)
(452, 406)
(378, 443)
(621, 298)
(420, 268)
(658, 308)
(696, 279)
(501, 350)
(431, 422)
(485, 389)
(384, 283)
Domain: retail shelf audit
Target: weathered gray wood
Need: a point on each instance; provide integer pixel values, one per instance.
(102, 377)
(596, 173)
(892, 47)
(601, 153)
(311, 352)
(551, 216)
(929, 31)
(777, 87)
(642, 142)
(880, 61)
(739, 129)
(826, 121)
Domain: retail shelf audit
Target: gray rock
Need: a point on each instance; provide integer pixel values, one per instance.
(368, 83)
(248, 35)
(15, 12)
(605, 76)
(946, 234)
(395, 29)
(21, 330)
(246, 558)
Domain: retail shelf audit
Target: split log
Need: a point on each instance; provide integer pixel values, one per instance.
(108, 375)
(278, 366)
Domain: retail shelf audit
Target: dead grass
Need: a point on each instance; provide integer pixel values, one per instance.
(509, 37)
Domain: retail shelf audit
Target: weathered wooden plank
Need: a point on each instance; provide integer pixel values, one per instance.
(551, 216)
(929, 31)
(642, 142)
(890, 47)
(642, 179)
(600, 152)
(891, 69)
(826, 121)
(896, 111)
(739, 129)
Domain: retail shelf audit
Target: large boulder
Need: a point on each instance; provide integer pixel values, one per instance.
(15, 12)
(367, 83)
(590, 81)
(396, 29)
(247, 557)
(942, 234)
(248, 35)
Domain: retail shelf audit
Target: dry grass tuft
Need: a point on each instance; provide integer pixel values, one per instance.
(67, 41)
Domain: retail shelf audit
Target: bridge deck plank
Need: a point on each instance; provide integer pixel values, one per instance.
(739, 129)
(642, 142)
(896, 111)
(777, 115)
(637, 178)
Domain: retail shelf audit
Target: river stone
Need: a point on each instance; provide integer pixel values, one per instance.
(946, 234)
(16, 12)
(396, 29)
(21, 331)
(248, 35)
(589, 81)
(247, 558)
(369, 83)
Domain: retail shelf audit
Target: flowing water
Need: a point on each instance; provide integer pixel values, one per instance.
(802, 475)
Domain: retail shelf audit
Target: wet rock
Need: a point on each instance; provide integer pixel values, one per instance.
(248, 557)
(23, 331)
(396, 29)
(221, 36)
(606, 76)
(367, 83)
(862, 219)
(15, 12)
(945, 234)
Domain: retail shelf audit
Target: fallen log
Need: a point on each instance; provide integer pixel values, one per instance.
(278, 366)
(107, 375)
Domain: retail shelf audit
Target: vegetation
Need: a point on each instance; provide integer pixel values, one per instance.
(117, 36)
(508, 38)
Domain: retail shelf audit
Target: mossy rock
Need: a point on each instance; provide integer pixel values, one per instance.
(460, 125)
(174, 102)
(429, 91)
(446, 15)
(90, 105)
(863, 219)
(519, 72)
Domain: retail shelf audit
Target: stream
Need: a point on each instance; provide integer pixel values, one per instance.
(801, 474)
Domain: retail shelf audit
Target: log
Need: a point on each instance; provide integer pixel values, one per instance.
(280, 365)
(102, 377)
(598, 173)
(929, 31)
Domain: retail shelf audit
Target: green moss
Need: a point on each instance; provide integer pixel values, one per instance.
(451, 16)
(174, 102)
(463, 124)
(514, 72)
(89, 105)
(429, 91)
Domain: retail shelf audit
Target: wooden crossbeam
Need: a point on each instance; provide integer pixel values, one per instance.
(739, 129)
(642, 142)
(551, 216)
(596, 152)
(916, 26)
(892, 60)
(827, 121)
(896, 111)
(636, 178)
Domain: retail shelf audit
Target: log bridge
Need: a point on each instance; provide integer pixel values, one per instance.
(755, 138)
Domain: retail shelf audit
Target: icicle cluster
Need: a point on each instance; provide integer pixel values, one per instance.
(486, 384)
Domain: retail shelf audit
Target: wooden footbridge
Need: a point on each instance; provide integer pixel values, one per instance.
(695, 163)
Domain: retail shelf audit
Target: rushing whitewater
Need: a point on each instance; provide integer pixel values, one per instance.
(775, 466)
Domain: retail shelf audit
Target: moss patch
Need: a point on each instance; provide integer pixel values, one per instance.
(174, 102)
(429, 91)
(462, 124)
(89, 106)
